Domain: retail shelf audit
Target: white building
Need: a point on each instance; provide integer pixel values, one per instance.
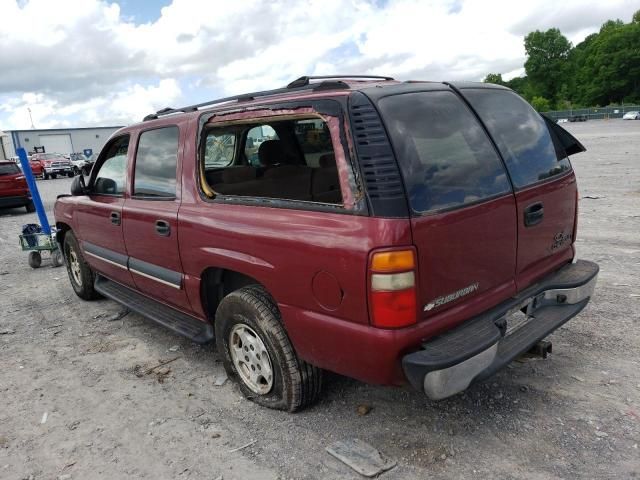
(59, 140)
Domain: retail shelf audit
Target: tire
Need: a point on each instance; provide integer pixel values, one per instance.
(295, 384)
(71, 174)
(35, 259)
(30, 207)
(54, 175)
(45, 176)
(80, 274)
(56, 258)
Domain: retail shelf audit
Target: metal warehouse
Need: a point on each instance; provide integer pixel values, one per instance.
(60, 140)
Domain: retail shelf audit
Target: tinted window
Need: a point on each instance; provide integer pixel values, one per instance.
(521, 135)
(445, 156)
(8, 169)
(111, 175)
(156, 161)
(219, 149)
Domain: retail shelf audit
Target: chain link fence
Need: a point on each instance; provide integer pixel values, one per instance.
(596, 113)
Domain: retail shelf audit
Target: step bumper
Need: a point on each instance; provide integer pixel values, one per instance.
(483, 345)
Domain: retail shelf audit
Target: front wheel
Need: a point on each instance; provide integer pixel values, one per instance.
(80, 273)
(71, 174)
(256, 351)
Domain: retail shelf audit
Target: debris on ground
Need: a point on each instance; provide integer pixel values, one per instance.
(175, 348)
(360, 456)
(118, 315)
(162, 374)
(45, 415)
(243, 446)
(364, 409)
(594, 197)
(220, 379)
(7, 332)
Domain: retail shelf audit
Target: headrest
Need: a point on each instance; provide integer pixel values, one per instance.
(271, 152)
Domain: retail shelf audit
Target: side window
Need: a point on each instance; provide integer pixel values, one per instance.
(156, 161)
(256, 136)
(219, 150)
(285, 159)
(445, 157)
(111, 174)
(521, 135)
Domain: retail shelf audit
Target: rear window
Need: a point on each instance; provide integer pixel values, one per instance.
(9, 169)
(521, 135)
(445, 156)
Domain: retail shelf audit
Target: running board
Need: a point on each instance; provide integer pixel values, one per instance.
(173, 319)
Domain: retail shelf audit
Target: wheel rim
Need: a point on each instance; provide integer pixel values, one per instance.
(251, 359)
(74, 267)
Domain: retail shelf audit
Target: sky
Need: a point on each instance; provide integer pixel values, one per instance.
(101, 63)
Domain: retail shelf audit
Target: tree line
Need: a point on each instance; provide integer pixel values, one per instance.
(603, 69)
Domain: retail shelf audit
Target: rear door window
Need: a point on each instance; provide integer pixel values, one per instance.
(521, 135)
(445, 157)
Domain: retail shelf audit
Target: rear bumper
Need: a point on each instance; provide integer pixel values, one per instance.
(483, 345)
(15, 201)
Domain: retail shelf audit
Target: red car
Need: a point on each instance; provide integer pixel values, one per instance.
(37, 167)
(394, 232)
(52, 165)
(14, 191)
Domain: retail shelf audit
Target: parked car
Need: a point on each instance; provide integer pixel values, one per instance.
(631, 116)
(53, 164)
(14, 191)
(578, 118)
(78, 162)
(392, 232)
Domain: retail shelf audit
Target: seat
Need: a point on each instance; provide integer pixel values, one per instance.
(325, 182)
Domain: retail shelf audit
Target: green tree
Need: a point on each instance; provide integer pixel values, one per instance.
(541, 104)
(547, 63)
(494, 78)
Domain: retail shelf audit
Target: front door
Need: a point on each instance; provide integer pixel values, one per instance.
(150, 217)
(99, 214)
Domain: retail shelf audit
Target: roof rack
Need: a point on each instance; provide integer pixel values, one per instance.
(301, 83)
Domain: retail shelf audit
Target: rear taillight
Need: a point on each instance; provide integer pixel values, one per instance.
(392, 288)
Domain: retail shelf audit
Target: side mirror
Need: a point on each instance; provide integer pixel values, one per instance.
(77, 186)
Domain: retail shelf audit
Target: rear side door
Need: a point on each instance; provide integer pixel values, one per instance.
(99, 214)
(462, 205)
(545, 186)
(150, 217)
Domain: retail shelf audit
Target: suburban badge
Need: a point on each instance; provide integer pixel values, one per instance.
(451, 297)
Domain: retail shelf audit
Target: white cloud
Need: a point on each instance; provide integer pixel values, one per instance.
(82, 62)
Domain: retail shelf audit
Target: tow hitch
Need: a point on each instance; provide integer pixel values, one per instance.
(541, 349)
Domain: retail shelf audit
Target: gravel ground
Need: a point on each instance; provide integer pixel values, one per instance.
(76, 402)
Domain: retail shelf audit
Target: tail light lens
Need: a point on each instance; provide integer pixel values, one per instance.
(392, 288)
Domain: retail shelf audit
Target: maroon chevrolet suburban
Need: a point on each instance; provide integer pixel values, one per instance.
(394, 232)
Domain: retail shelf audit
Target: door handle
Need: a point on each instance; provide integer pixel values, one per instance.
(533, 214)
(163, 228)
(115, 218)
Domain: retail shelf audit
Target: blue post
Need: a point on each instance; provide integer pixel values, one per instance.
(35, 195)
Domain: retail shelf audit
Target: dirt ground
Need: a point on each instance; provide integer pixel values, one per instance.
(76, 402)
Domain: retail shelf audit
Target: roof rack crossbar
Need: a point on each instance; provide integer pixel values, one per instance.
(251, 96)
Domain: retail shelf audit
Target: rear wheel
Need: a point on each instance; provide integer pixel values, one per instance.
(35, 259)
(256, 351)
(54, 175)
(30, 207)
(45, 176)
(80, 274)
